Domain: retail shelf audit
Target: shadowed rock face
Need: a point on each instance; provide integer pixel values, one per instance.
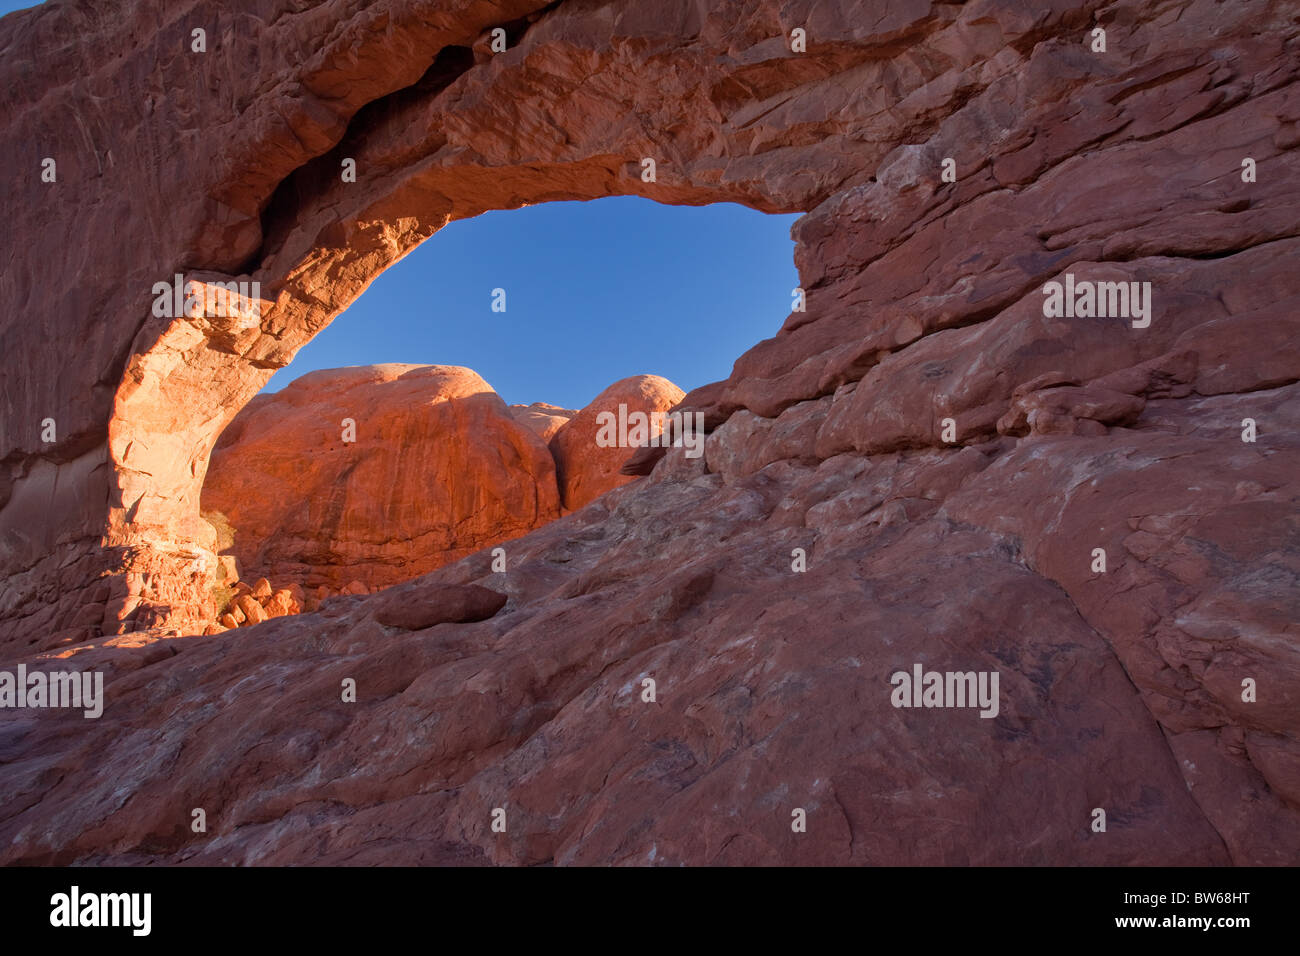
(945, 457)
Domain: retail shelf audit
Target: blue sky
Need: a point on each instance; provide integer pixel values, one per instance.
(594, 292)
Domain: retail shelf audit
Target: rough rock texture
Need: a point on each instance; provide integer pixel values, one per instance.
(1121, 690)
(438, 469)
(584, 468)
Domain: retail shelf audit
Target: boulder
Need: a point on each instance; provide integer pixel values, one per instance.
(587, 465)
(433, 467)
(280, 604)
(253, 612)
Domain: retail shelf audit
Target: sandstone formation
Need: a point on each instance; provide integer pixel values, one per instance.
(584, 469)
(543, 418)
(923, 468)
(431, 467)
(435, 466)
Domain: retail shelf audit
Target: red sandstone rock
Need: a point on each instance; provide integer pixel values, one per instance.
(228, 568)
(750, 686)
(253, 612)
(416, 609)
(542, 418)
(1121, 688)
(252, 479)
(281, 603)
(438, 469)
(1066, 410)
(584, 469)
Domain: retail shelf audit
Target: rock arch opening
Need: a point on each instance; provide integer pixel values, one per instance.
(251, 190)
(476, 390)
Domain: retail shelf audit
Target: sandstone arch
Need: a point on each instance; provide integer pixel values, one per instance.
(275, 210)
(922, 294)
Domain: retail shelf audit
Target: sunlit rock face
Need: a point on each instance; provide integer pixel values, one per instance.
(591, 447)
(376, 474)
(927, 464)
(542, 417)
(372, 475)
